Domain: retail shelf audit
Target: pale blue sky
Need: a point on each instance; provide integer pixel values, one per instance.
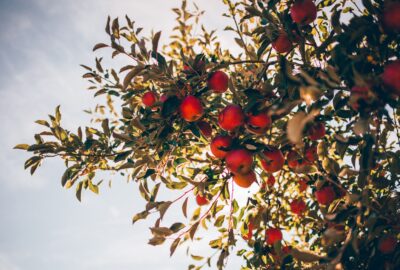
(43, 227)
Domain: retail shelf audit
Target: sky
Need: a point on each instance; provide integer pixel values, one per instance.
(43, 226)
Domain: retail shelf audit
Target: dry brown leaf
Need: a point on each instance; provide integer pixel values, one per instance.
(296, 126)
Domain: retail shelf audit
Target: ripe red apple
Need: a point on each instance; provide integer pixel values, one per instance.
(282, 43)
(205, 128)
(249, 234)
(218, 145)
(295, 162)
(292, 159)
(258, 123)
(149, 98)
(311, 154)
(271, 180)
(316, 131)
(231, 117)
(201, 200)
(303, 11)
(218, 81)
(191, 108)
(387, 244)
(274, 160)
(325, 195)
(391, 75)
(303, 185)
(239, 161)
(273, 235)
(244, 180)
(298, 207)
(391, 16)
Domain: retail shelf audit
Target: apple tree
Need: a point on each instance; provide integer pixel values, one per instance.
(306, 117)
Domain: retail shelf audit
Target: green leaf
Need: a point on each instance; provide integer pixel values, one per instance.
(22, 146)
(163, 208)
(93, 188)
(162, 63)
(219, 221)
(122, 156)
(197, 258)
(174, 245)
(99, 46)
(133, 73)
(149, 172)
(184, 207)
(33, 160)
(58, 114)
(170, 106)
(155, 41)
(177, 227)
(42, 122)
(157, 240)
(193, 230)
(139, 216)
(78, 193)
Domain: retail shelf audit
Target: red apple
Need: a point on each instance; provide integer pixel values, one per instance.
(295, 162)
(239, 161)
(273, 235)
(391, 75)
(292, 159)
(298, 207)
(258, 123)
(149, 98)
(271, 180)
(218, 81)
(219, 144)
(274, 160)
(282, 43)
(244, 180)
(191, 108)
(205, 128)
(231, 117)
(303, 185)
(201, 200)
(325, 195)
(391, 16)
(387, 244)
(316, 131)
(249, 234)
(311, 154)
(303, 11)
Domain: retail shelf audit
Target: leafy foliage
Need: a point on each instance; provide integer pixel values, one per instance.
(335, 120)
